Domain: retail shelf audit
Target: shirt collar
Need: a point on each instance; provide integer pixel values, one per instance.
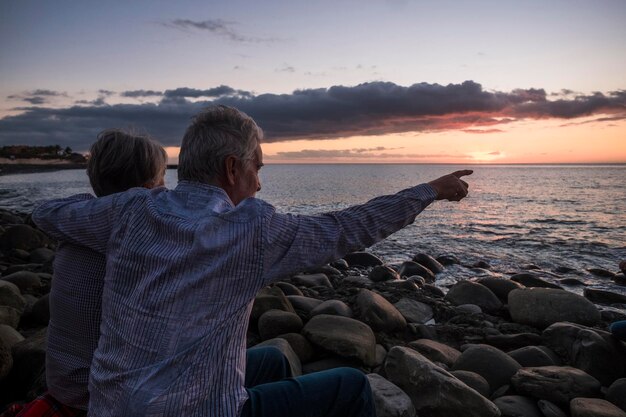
(200, 194)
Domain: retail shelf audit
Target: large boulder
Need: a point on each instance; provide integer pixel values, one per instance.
(312, 280)
(378, 313)
(467, 292)
(492, 364)
(594, 351)
(365, 259)
(429, 262)
(541, 307)
(288, 352)
(559, 384)
(474, 381)
(530, 280)
(269, 299)
(300, 345)
(604, 297)
(501, 287)
(382, 273)
(389, 400)
(26, 281)
(517, 406)
(435, 351)
(343, 336)
(276, 322)
(410, 268)
(433, 390)
(11, 296)
(22, 236)
(528, 356)
(617, 393)
(333, 307)
(414, 311)
(594, 407)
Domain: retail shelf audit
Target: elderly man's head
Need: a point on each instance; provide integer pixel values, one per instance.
(222, 147)
(120, 160)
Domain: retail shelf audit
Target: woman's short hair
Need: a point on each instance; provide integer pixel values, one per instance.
(214, 134)
(120, 160)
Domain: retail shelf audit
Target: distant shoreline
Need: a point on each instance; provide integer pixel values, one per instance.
(8, 169)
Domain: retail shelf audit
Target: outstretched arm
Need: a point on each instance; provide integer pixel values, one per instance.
(294, 243)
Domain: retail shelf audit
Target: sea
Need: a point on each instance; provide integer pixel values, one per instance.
(516, 217)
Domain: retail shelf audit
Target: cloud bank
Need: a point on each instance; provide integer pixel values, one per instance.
(373, 108)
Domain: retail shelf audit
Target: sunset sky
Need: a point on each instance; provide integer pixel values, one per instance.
(328, 81)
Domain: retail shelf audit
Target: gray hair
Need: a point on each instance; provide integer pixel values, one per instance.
(214, 134)
(120, 160)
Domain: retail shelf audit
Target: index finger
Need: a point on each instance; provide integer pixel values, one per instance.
(462, 173)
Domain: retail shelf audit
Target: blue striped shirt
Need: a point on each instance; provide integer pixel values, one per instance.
(183, 268)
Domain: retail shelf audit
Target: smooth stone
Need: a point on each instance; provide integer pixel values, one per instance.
(403, 284)
(364, 259)
(448, 260)
(594, 407)
(572, 281)
(436, 351)
(620, 279)
(6, 359)
(559, 384)
(550, 409)
(616, 393)
(24, 280)
(41, 311)
(492, 364)
(529, 356)
(343, 336)
(501, 287)
(474, 381)
(389, 400)
(434, 290)
(328, 270)
(429, 262)
(22, 236)
(41, 255)
(10, 316)
(269, 299)
(434, 391)
(331, 363)
(312, 280)
(481, 265)
(410, 268)
(11, 296)
(541, 307)
(382, 273)
(288, 352)
(333, 307)
(21, 254)
(303, 305)
(8, 218)
(533, 281)
(618, 329)
(603, 296)
(468, 309)
(414, 311)
(340, 264)
(417, 280)
(561, 269)
(356, 281)
(517, 406)
(378, 313)
(467, 292)
(300, 345)
(9, 335)
(381, 354)
(512, 341)
(603, 273)
(289, 289)
(593, 351)
(273, 323)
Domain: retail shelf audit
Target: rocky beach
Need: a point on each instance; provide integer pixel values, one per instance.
(512, 343)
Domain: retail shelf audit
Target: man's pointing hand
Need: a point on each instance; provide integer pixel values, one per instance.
(451, 187)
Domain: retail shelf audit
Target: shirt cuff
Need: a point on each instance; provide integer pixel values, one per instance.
(425, 193)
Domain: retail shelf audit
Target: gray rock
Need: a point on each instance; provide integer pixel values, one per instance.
(572, 281)
(382, 273)
(474, 381)
(289, 289)
(594, 407)
(340, 264)
(517, 406)
(269, 299)
(433, 391)
(428, 262)
(550, 409)
(300, 345)
(24, 280)
(11, 296)
(530, 280)
(312, 280)
(501, 287)
(617, 393)
(529, 356)
(362, 259)
(435, 351)
(541, 307)
(10, 316)
(603, 296)
(467, 292)
(9, 335)
(512, 341)
(599, 272)
(559, 384)
(273, 323)
(492, 364)
(41, 256)
(620, 279)
(24, 237)
(378, 313)
(448, 260)
(389, 400)
(285, 348)
(381, 354)
(468, 309)
(357, 281)
(434, 290)
(404, 284)
(333, 307)
(594, 351)
(343, 336)
(303, 305)
(410, 268)
(6, 359)
(414, 311)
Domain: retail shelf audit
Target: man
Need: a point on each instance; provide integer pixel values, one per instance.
(183, 268)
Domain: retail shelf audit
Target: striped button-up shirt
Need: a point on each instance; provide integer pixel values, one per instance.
(183, 267)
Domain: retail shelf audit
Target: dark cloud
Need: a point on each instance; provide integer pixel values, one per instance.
(218, 27)
(97, 102)
(482, 131)
(360, 154)
(140, 93)
(286, 68)
(106, 93)
(38, 96)
(34, 100)
(43, 92)
(326, 113)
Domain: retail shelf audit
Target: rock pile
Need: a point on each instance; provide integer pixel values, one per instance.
(488, 346)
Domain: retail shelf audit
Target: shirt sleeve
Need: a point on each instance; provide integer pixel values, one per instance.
(80, 219)
(294, 243)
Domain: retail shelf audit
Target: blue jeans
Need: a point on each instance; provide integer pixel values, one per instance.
(340, 392)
